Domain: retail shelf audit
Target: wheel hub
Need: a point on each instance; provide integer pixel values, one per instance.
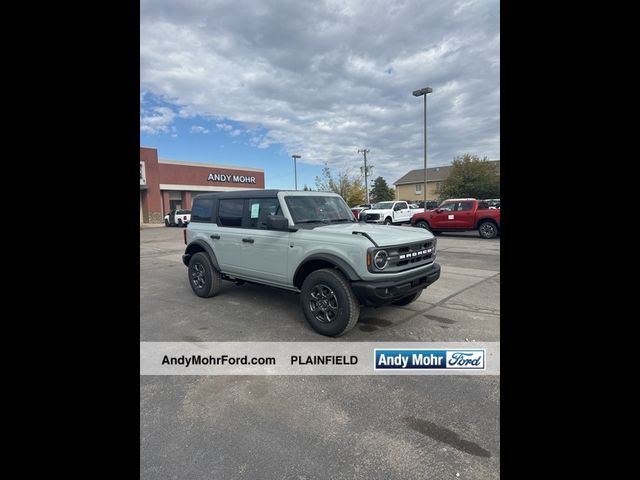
(198, 276)
(323, 303)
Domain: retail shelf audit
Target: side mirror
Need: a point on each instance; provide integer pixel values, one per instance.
(277, 222)
(439, 210)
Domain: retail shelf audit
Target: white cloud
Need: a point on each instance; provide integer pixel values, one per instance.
(157, 121)
(199, 129)
(224, 126)
(344, 84)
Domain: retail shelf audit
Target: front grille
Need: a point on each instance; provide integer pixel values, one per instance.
(410, 256)
(372, 216)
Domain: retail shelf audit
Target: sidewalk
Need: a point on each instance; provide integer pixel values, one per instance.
(144, 226)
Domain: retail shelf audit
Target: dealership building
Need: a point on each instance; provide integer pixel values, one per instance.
(169, 184)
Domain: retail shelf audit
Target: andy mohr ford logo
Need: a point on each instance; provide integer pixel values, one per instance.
(416, 359)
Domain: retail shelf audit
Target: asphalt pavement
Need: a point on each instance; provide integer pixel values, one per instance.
(308, 427)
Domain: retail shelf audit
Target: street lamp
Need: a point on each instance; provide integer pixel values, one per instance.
(419, 93)
(295, 169)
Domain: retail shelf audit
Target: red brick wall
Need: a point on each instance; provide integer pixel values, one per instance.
(191, 175)
(166, 204)
(186, 200)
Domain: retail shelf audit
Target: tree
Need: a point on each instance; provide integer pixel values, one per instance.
(472, 177)
(349, 187)
(380, 191)
(306, 189)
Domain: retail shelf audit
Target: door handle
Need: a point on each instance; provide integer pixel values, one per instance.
(215, 236)
(248, 240)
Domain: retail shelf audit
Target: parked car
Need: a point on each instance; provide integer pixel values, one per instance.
(180, 218)
(307, 243)
(459, 215)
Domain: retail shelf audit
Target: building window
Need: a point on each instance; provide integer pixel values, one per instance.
(439, 186)
(418, 188)
(143, 175)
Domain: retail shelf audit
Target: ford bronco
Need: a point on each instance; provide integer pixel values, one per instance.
(309, 243)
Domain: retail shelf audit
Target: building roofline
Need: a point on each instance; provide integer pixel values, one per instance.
(208, 165)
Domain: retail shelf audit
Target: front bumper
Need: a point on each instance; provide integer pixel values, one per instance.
(378, 293)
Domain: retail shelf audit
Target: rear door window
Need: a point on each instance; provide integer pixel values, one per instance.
(202, 210)
(230, 212)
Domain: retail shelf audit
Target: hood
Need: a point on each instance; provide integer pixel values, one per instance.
(383, 235)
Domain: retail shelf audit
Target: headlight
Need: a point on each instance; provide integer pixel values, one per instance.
(381, 259)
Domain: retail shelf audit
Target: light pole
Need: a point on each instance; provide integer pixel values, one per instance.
(295, 169)
(366, 184)
(418, 93)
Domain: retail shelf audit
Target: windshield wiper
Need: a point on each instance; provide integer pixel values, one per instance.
(335, 220)
(311, 221)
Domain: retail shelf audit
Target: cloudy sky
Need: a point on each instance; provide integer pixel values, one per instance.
(248, 82)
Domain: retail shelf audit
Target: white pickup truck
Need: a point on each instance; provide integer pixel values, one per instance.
(180, 218)
(389, 213)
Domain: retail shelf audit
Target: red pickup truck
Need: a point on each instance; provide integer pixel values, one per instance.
(458, 215)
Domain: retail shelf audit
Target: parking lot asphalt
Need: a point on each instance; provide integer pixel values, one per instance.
(307, 427)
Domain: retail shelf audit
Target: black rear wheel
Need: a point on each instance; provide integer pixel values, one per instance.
(205, 280)
(488, 230)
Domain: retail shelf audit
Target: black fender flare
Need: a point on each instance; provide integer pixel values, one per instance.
(346, 269)
(199, 246)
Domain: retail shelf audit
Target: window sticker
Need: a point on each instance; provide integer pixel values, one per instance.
(255, 210)
(450, 217)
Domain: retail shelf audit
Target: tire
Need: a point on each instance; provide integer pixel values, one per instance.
(341, 309)
(387, 221)
(423, 224)
(179, 222)
(205, 280)
(407, 300)
(436, 232)
(488, 229)
(166, 223)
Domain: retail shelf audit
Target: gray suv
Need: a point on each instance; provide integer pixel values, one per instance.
(309, 243)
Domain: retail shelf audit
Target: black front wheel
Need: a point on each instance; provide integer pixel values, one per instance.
(166, 223)
(387, 221)
(423, 224)
(328, 303)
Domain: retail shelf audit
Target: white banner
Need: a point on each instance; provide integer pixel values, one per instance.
(319, 358)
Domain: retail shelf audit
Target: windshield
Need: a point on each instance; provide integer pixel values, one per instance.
(383, 206)
(314, 208)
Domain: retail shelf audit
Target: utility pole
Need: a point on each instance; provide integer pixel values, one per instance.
(366, 183)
